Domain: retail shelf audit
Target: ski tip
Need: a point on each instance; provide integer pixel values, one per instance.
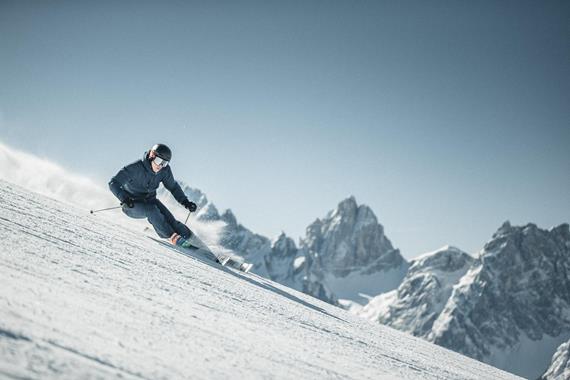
(246, 267)
(223, 260)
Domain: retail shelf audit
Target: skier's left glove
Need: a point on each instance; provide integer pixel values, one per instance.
(189, 205)
(129, 202)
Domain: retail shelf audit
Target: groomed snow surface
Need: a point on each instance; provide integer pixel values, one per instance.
(82, 296)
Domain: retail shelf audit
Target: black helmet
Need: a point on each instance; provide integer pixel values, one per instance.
(162, 151)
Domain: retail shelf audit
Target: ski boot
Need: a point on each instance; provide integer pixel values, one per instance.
(179, 241)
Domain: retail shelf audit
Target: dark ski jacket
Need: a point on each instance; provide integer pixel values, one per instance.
(139, 182)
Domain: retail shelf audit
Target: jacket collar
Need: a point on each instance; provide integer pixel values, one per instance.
(146, 163)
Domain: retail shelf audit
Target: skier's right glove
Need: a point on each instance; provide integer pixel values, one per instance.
(129, 202)
(189, 205)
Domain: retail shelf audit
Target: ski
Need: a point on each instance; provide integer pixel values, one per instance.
(246, 267)
(220, 259)
(229, 260)
(223, 260)
(237, 262)
(197, 247)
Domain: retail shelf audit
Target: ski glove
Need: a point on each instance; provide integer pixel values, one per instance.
(189, 205)
(129, 202)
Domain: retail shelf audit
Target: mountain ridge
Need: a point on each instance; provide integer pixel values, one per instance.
(329, 269)
(509, 307)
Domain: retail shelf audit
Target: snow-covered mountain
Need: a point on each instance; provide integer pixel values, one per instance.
(512, 308)
(344, 255)
(351, 255)
(84, 297)
(252, 246)
(422, 295)
(559, 368)
(281, 260)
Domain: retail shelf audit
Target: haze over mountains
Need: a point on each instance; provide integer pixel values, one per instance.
(509, 306)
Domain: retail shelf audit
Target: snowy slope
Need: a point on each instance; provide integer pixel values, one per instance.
(81, 296)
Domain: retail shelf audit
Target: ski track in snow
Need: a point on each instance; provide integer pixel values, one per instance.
(84, 297)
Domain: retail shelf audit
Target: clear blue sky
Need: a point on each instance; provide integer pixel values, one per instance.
(446, 117)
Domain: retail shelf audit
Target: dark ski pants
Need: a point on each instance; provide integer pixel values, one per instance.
(158, 215)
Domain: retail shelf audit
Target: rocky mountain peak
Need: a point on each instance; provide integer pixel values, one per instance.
(347, 206)
(350, 255)
(517, 292)
(420, 298)
(446, 259)
(208, 212)
(313, 235)
(349, 238)
(504, 229)
(229, 217)
(525, 247)
(348, 214)
(560, 365)
(284, 246)
(562, 230)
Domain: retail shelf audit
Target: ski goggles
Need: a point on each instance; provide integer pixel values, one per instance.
(160, 162)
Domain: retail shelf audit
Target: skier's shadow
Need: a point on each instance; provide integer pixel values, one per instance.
(261, 283)
(283, 293)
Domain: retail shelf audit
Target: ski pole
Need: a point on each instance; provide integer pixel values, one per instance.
(188, 217)
(105, 209)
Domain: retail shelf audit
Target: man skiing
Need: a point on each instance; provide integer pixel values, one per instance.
(135, 186)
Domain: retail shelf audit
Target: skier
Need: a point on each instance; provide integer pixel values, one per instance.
(135, 186)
